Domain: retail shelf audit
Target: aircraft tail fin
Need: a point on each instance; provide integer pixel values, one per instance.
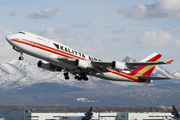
(146, 70)
(88, 115)
(175, 112)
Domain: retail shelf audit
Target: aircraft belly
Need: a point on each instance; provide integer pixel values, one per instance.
(61, 64)
(33, 51)
(113, 77)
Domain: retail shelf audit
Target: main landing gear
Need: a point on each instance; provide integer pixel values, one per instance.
(79, 77)
(66, 75)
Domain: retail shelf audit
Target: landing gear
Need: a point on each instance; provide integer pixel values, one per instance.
(76, 77)
(21, 57)
(66, 75)
(84, 76)
(81, 76)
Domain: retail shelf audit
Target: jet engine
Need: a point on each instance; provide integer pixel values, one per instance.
(48, 66)
(81, 63)
(119, 65)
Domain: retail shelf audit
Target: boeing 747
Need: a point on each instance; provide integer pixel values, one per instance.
(56, 57)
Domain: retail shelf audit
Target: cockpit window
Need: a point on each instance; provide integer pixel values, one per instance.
(22, 32)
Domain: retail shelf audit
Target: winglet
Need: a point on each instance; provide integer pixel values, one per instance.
(169, 62)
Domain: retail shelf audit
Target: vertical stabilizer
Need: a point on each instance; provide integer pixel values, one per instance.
(88, 115)
(175, 112)
(147, 70)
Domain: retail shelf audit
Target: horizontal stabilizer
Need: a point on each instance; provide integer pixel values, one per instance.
(169, 62)
(149, 63)
(153, 78)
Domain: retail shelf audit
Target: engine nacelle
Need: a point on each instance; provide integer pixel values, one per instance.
(81, 63)
(119, 65)
(48, 66)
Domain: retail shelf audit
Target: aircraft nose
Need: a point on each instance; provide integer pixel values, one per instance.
(8, 38)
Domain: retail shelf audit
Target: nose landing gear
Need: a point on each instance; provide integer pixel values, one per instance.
(21, 57)
(18, 50)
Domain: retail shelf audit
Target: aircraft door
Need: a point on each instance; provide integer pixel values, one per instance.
(47, 42)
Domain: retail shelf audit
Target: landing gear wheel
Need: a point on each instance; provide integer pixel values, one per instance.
(67, 77)
(76, 77)
(84, 76)
(86, 79)
(21, 58)
(79, 79)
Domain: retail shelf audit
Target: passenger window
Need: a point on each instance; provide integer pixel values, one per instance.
(56, 45)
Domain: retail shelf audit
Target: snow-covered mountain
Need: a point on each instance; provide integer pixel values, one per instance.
(17, 74)
(24, 83)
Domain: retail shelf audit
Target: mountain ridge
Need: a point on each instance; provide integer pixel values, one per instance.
(26, 74)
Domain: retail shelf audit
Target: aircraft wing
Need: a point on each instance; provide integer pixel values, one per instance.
(101, 63)
(108, 64)
(153, 78)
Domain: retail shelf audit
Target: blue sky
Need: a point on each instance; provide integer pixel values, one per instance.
(109, 30)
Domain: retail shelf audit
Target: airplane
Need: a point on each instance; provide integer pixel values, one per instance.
(87, 116)
(57, 57)
(175, 113)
